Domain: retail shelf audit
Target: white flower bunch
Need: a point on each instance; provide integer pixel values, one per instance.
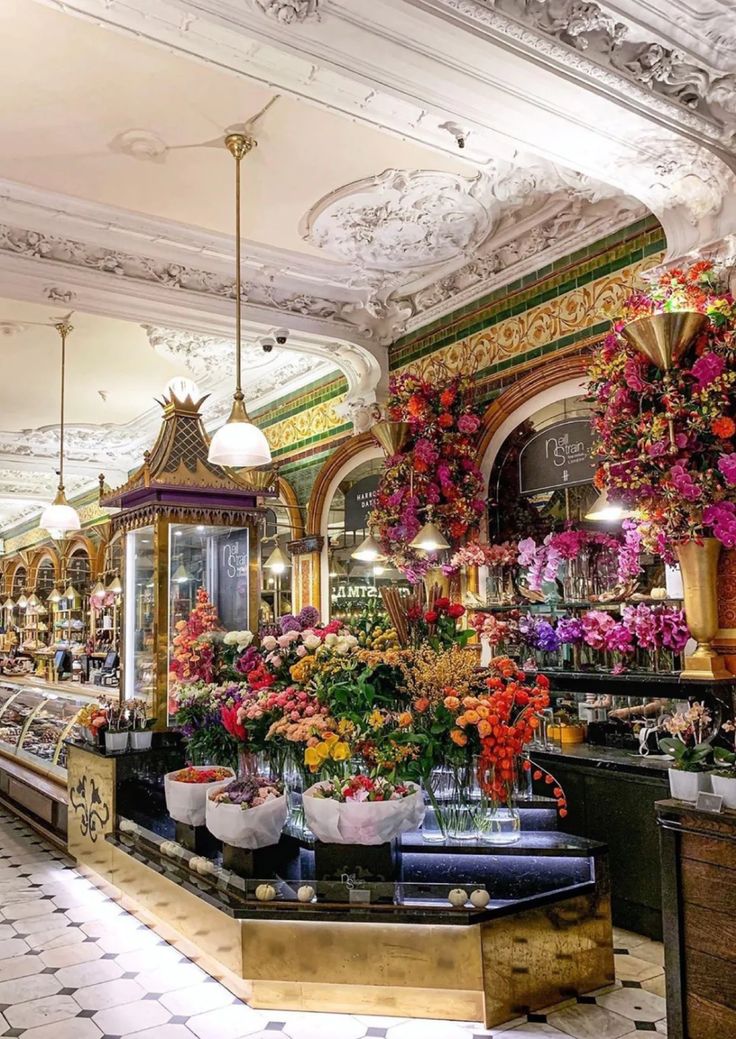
(240, 639)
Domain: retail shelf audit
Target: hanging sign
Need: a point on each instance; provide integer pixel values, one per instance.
(359, 501)
(559, 456)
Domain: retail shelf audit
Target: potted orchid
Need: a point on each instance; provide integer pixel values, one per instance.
(690, 739)
(116, 734)
(723, 776)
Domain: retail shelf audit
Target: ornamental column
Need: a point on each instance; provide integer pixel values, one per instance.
(306, 560)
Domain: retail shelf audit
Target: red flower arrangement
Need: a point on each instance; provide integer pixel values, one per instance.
(686, 485)
(434, 475)
(193, 649)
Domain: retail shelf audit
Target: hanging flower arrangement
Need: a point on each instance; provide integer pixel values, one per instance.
(193, 649)
(435, 475)
(667, 440)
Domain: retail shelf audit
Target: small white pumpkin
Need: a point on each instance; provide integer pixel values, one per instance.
(206, 866)
(658, 593)
(265, 892)
(128, 826)
(480, 898)
(457, 897)
(305, 893)
(194, 863)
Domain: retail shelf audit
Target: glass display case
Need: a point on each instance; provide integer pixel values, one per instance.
(34, 725)
(166, 565)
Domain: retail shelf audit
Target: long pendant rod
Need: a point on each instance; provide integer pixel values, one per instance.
(63, 328)
(238, 145)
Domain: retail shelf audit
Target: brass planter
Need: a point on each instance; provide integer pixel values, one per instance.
(391, 436)
(664, 338)
(699, 567)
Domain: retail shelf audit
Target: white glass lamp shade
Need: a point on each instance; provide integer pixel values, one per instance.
(22, 602)
(54, 595)
(33, 601)
(115, 586)
(430, 539)
(59, 519)
(368, 551)
(239, 445)
(277, 561)
(183, 388)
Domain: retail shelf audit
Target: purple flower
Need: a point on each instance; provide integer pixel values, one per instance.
(722, 518)
(547, 638)
(468, 423)
(308, 616)
(619, 639)
(642, 622)
(683, 482)
(727, 465)
(289, 623)
(706, 369)
(570, 630)
(674, 630)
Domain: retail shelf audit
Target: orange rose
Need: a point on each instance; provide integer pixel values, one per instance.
(404, 719)
(482, 711)
(458, 737)
(470, 701)
(421, 705)
(471, 717)
(484, 728)
(452, 703)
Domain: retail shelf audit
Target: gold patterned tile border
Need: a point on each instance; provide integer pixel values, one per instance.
(564, 315)
(315, 422)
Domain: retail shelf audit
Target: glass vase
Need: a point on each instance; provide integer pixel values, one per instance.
(500, 824)
(434, 828)
(296, 782)
(453, 795)
(577, 579)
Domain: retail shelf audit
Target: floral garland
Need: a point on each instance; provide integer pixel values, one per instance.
(193, 648)
(435, 475)
(684, 486)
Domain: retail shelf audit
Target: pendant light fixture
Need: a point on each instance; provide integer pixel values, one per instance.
(430, 539)
(368, 551)
(22, 602)
(54, 595)
(239, 444)
(71, 592)
(59, 518)
(115, 586)
(277, 561)
(33, 601)
(99, 591)
(606, 510)
(181, 575)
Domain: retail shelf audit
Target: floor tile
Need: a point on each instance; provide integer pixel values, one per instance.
(651, 951)
(656, 985)
(28, 987)
(41, 1012)
(416, 1029)
(196, 999)
(231, 1023)
(25, 910)
(12, 947)
(168, 978)
(132, 1017)
(589, 1021)
(627, 939)
(636, 1004)
(68, 955)
(108, 994)
(72, 1028)
(85, 974)
(631, 968)
(169, 1032)
(20, 967)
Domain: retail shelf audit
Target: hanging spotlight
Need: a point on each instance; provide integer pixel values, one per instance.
(430, 539)
(277, 561)
(605, 510)
(59, 518)
(239, 443)
(368, 551)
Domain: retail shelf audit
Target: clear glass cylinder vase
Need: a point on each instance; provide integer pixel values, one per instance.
(501, 824)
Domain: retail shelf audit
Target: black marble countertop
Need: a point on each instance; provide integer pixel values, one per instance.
(613, 759)
(401, 903)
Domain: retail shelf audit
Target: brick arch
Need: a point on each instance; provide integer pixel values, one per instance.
(546, 377)
(318, 498)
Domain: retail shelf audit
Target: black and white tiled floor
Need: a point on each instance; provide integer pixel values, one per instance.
(75, 965)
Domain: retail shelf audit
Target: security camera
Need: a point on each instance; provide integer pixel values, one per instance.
(281, 335)
(461, 142)
(267, 344)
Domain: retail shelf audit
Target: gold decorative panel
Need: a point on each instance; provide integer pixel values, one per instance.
(91, 814)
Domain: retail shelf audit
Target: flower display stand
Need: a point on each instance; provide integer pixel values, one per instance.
(374, 864)
(281, 859)
(195, 838)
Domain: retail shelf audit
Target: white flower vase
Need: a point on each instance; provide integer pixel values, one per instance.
(248, 828)
(362, 822)
(685, 786)
(140, 739)
(187, 802)
(725, 786)
(116, 741)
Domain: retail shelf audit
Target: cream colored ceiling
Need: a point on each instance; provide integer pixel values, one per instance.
(69, 88)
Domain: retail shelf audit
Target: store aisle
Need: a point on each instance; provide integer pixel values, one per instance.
(75, 965)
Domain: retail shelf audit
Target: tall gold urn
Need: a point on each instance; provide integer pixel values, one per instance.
(699, 567)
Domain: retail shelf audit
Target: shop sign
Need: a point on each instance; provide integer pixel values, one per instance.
(558, 456)
(359, 501)
(232, 579)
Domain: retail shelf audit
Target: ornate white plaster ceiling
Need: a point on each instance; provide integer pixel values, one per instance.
(476, 137)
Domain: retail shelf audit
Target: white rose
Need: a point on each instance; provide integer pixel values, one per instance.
(245, 639)
(342, 647)
(312, 641)
(331, 639)
(231, 638)
(269, 643)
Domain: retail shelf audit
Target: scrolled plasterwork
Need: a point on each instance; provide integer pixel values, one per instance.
(602, 38)
(288, 11)
(402, 219)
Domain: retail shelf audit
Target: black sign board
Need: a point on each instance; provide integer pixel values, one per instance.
(359, 501)
(558, 456)
(232, 579)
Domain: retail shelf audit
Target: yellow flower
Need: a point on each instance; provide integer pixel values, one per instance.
(340, 752)
(311, 757)
(375, 719)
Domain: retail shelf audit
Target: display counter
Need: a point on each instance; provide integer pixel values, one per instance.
(406, 951)
(36, 719)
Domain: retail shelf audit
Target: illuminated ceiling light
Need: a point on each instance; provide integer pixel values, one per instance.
(9, 604)
(33, 601)
(71, 592)
(183, 389)
(368, 551)
(604, 510)
(378, 570)
(54, 595)
(430, 539)
(115, 586)
(59, 518)
(182, 575)
(277, 561)
(22, 602)
(99, 590)
(239, 443)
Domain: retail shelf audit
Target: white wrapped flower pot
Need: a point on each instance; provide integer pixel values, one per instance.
(187, 802)
(248, 828)
(362, 822)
